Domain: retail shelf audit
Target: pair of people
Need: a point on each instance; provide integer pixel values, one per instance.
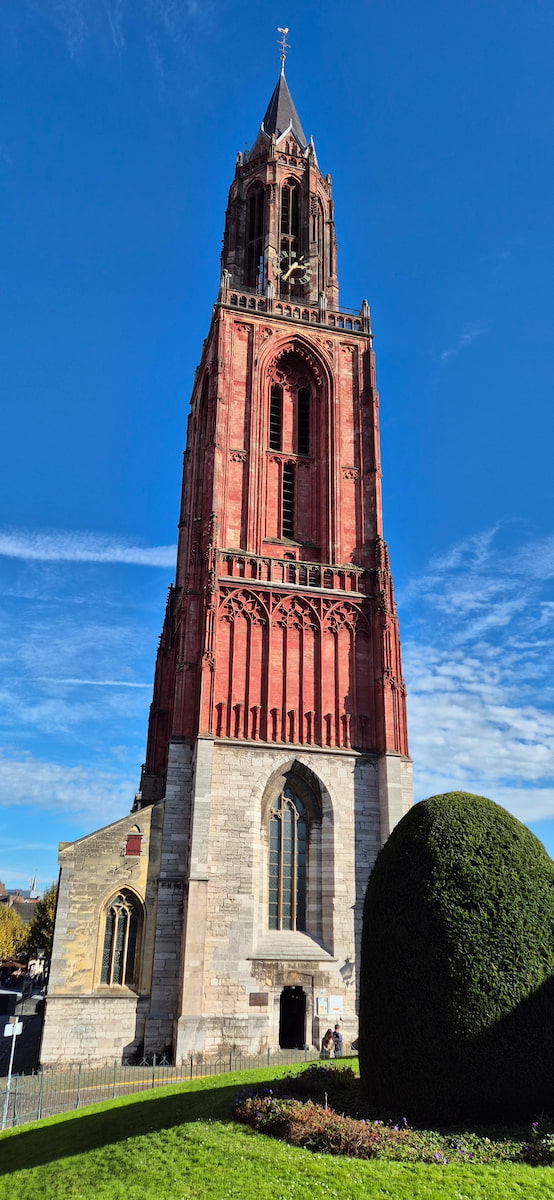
(331, 1045)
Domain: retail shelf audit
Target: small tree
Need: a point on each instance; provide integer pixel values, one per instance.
(457, 971)
(41, 929)
(13, 933)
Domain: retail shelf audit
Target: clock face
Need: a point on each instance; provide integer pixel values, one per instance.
(291, 269)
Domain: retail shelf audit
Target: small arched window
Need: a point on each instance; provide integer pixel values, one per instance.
(255, 209)
(288, 843)
(121, 940)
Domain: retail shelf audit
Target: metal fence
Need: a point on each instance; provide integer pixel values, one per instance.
(50, 1091)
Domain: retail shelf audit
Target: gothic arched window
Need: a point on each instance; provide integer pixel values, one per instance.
(255, 207)
(121, 939)
(288, 844)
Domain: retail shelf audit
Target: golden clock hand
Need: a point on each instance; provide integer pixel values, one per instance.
(295, 266)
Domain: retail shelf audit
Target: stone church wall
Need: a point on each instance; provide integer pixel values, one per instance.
(244, 967)
(84, 1018)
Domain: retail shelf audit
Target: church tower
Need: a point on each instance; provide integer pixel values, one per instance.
(277, 759)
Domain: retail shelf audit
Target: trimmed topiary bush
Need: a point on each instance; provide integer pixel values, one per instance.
(457, 970)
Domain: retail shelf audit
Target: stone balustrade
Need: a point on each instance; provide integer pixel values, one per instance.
(291, 310)
(291, 572)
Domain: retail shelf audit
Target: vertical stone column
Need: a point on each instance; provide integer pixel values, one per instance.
(191, 1025)
(395, 790)
(166, 974)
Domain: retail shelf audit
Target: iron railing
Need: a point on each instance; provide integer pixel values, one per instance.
(51, 1091)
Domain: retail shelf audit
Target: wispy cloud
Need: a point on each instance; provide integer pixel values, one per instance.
(164, 25)
(99, 795)
(96, 682)
(69, 18)
(468, 335)
(12, 877)
(479, 663)
(114, 10)
(77, 660)
(66, 546)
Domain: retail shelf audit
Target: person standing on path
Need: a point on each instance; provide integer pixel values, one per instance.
(337, 1038)
(328, 1045)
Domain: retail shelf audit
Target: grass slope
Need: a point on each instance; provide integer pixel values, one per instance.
(180, 1142)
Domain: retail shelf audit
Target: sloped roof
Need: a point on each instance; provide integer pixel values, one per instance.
(281, 113)
(24, 909)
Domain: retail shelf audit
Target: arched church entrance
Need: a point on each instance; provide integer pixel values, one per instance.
(292, 1019)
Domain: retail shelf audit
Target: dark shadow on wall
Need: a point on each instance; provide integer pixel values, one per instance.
(367, 843)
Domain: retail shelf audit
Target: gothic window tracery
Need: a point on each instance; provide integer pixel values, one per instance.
(121, 940)
(288, 845)
(295, 399)
(242, 604)
(295, 613)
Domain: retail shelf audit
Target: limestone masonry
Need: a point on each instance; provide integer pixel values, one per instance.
(224, 913)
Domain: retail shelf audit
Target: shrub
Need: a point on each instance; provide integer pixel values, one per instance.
(457, 988)
(320, 1129)
(336, 1086)
(289, 1109)
(539, 1151)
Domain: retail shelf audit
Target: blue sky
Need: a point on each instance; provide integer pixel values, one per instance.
(119, 124)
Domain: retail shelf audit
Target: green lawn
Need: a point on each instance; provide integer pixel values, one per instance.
(179, 1143)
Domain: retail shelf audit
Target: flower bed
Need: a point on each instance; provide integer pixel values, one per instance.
(305, 1110)
(303, 1123)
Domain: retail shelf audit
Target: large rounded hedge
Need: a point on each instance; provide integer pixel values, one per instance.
(457, 969)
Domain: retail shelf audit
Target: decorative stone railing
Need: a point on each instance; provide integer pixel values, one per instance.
(290, 572)
(338, 318)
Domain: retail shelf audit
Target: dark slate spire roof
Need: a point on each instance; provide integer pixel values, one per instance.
(281, 113)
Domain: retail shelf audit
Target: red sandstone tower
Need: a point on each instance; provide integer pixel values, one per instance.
(224, 913)
(279, 657)
(281, 626)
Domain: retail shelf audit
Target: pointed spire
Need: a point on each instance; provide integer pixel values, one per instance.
(281, 113)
